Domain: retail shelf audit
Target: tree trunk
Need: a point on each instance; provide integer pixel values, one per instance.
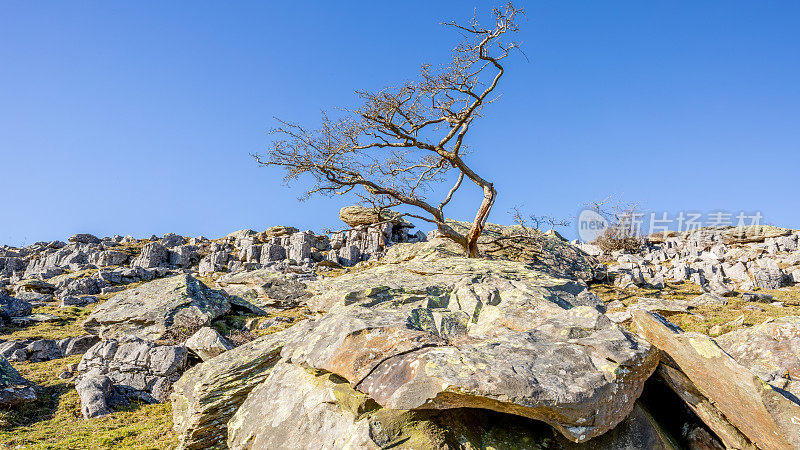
(489, 194)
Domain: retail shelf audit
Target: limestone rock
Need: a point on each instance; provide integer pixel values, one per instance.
(13, 307)
(661, 306)
(770, 350)
(149, 311)
(208, 394)
(14, 390)
(208, 343)
(153, 255)
(576, 371)
(708, 299)
(85, 238)
(757, 411)
(137, 368)
(360, 215)
(278, 231)
(98, 395)
(322, 410)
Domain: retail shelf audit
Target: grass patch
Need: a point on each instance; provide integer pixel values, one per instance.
(68, 325)
(54, 421)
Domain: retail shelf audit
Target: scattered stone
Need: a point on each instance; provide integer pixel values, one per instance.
(661, 306)
(708, 299)
(78, 301)
(756, 297)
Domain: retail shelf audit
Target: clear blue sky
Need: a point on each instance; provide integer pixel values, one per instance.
(138, 117)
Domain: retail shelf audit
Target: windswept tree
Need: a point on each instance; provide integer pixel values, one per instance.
(404, 139)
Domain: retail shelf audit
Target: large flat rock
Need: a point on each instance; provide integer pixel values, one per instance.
(321, 410)
(157, 309)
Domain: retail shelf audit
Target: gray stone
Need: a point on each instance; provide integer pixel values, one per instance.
(78, 301)
(767, 275)
(85, 238)
(107, 258)
(208, 343)
(98, 394)
(207, 395)
(153, 309)
(153, 255)
(77, 345)
(12, 307)
(171, 240)
(136, 367)
(14, 390)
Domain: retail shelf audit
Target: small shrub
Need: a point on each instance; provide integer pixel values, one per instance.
(619, 238)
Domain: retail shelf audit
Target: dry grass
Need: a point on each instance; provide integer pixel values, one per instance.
(68, 325)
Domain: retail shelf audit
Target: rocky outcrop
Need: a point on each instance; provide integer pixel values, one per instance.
(136, 368)
(157, 308)
(739, 407)
(208, 394)
(721, 260)
(14, 390)
(440, 331)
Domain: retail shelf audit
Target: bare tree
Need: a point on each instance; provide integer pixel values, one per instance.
(404, 139)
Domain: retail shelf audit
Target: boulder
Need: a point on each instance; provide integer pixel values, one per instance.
(441, 331)
(768, 274)
(264, 288)
(153, 255)
(278, 231)
(208, 343)
(137, 368)
(13, 307)
(82, 300)
(354, 216)
(14, 390)
(84, 238)
(707, 299)
(77, 345)
(321, 410)
(172, 240)
(742, 401)
(661, 305)
(98, 394)
(208, 394)
(153, 309)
